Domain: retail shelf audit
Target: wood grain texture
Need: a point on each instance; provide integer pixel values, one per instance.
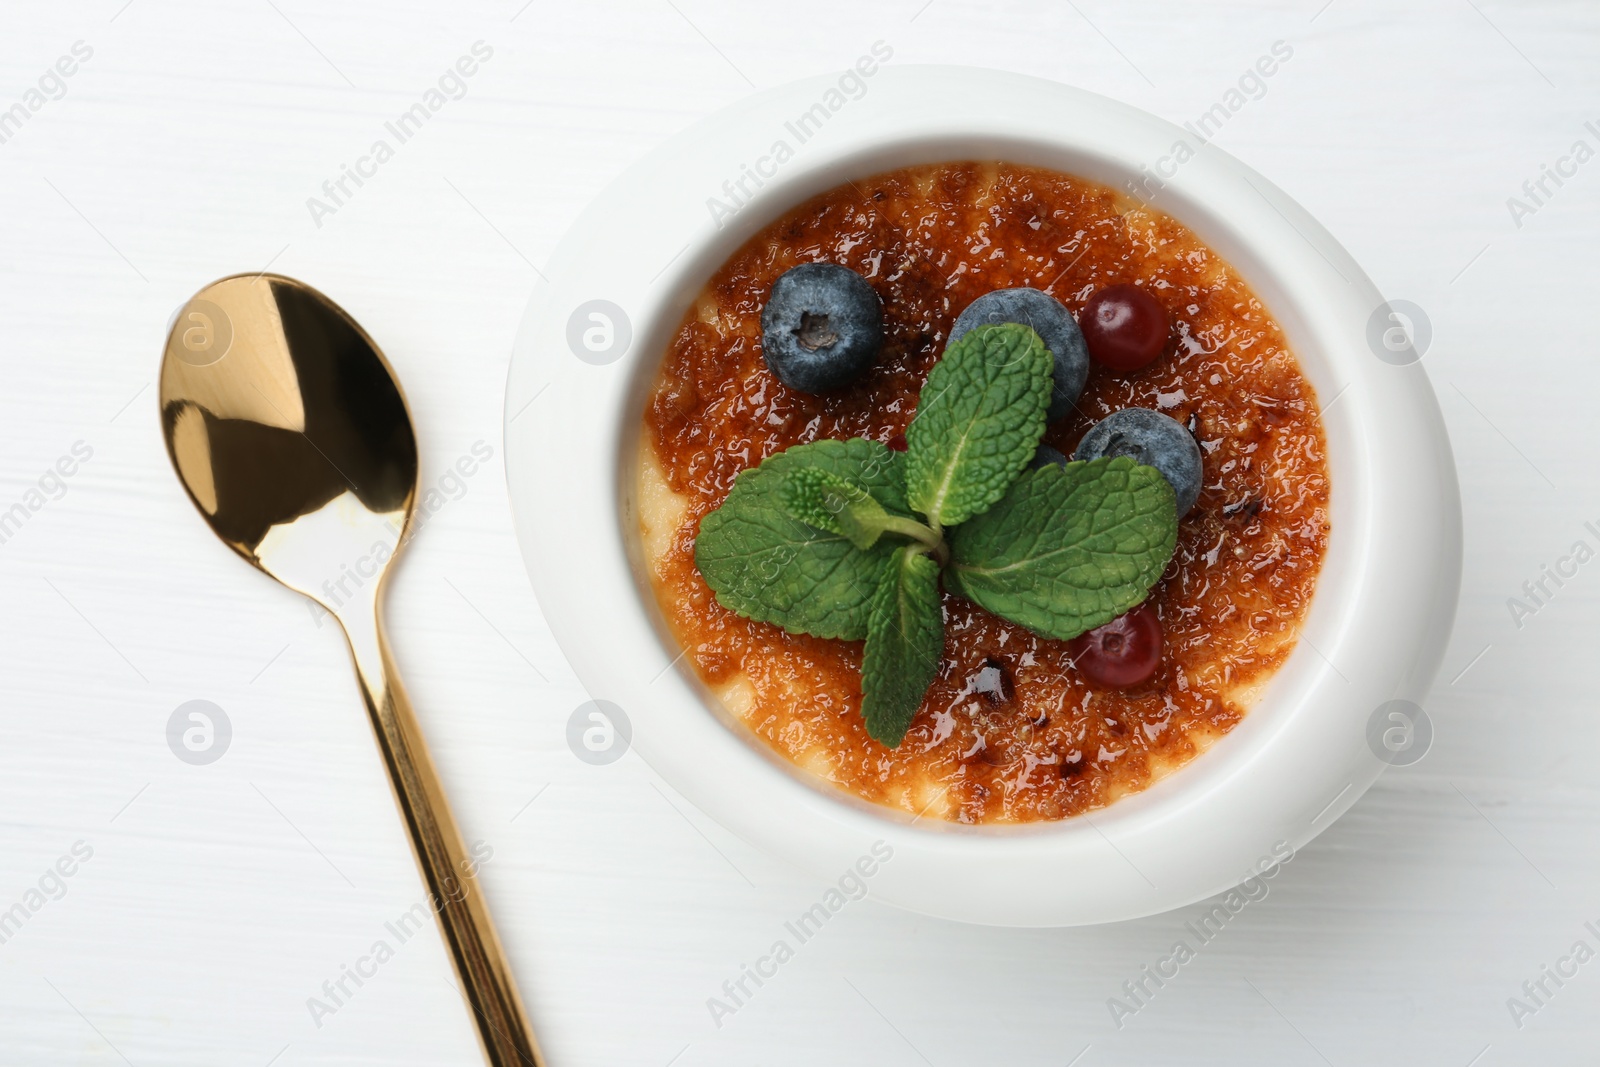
(219, 898)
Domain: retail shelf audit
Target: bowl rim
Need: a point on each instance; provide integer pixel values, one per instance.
(1375, 631)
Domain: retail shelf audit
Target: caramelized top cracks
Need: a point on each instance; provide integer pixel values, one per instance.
(1235, 591)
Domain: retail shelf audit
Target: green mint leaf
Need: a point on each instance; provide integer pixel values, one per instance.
(766, 565)
(1069, 549)
(979, 420)
(821, 498)
(905, 641)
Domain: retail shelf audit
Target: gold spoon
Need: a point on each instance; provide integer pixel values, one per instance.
(289, 431)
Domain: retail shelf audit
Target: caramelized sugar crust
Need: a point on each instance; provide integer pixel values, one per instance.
(1009, 731)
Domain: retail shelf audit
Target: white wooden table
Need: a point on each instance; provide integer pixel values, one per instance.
(219, 898)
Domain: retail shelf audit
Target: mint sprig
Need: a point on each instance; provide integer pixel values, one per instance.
(846, 539)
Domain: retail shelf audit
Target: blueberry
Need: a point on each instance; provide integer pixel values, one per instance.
(822, 327)
(1154, 440)
(1054, 324)
(1046, 456)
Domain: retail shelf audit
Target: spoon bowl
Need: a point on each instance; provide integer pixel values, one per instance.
(289, 432)
(293, 440)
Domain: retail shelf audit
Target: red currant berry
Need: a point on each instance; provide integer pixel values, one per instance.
(1125, 327)
(897, 443)
(1123, 652)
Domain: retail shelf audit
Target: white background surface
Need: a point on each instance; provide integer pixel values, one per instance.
(219, 898)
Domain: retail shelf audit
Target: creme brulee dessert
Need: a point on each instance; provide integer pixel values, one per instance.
(1106, 323)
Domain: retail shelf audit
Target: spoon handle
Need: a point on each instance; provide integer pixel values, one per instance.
(449, 871)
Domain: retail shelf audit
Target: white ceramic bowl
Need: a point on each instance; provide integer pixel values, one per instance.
(1376, 627)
